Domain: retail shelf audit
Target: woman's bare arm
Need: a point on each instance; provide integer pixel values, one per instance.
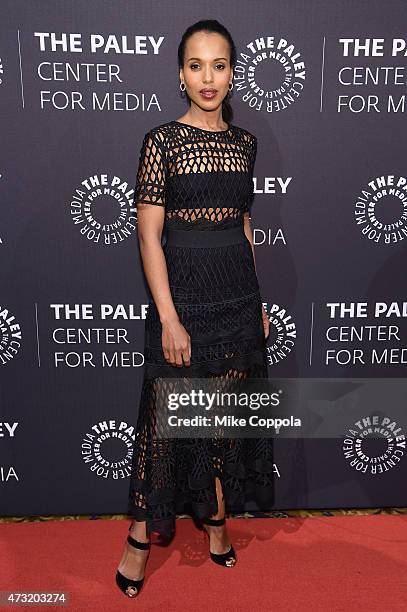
(175, 339)
(150, 220)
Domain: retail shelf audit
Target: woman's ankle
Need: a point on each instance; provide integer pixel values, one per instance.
(138, 531)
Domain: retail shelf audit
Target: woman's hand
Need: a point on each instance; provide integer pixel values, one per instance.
(266, 322)
(176, 343)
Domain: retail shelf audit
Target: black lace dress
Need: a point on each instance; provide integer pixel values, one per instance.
(204, 181)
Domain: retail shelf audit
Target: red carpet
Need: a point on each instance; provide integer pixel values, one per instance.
(329, 563)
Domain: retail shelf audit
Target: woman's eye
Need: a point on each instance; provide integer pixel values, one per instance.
(221, 66)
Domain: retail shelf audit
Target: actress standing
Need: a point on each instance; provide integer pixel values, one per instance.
(205, 318)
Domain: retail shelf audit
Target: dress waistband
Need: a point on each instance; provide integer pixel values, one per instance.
(205, 238)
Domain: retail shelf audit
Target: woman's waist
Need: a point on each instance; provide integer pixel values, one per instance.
(205, 236)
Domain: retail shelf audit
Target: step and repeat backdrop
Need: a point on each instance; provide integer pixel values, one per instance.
(323, 87)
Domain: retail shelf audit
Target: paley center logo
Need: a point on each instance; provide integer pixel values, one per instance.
(270, 73)
(10, 336)
(374, 445)
(103, 209)
(381, 209)
(108, 449)
(283, 333)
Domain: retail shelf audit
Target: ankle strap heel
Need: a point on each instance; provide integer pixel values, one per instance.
(214, 522)
(138, 544)
(125, 583)
(227, 559)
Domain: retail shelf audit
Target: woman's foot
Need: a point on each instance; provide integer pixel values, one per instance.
(220, 547)
(133, 562)
(219, 542)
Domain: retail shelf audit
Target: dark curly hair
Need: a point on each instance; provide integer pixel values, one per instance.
(210, 25)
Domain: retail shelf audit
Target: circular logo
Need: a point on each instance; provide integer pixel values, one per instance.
(374, 445)
(103, 209)
(269, 74)
(381, 209)
(108, 449)
(10, 336)
(283, 333)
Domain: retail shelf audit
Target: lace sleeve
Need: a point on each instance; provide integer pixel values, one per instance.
(253, 155)
(152, 171)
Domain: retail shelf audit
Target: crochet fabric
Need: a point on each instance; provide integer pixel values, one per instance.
(204, 181)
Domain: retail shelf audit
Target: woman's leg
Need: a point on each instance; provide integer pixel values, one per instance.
(133, 561)
(219, 538)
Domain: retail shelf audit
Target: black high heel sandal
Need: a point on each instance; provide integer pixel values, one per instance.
(124, 583)
(227, 559)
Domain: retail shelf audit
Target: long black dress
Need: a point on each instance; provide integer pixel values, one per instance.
(204, 181)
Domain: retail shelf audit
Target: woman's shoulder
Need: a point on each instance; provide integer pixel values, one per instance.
(160, 131)
(157, 137)
(247, 137)
(246, 133)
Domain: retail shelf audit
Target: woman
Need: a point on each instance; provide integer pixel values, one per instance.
(206, 318)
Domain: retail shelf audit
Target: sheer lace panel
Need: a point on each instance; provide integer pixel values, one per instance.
(152, 171)
(202, 178)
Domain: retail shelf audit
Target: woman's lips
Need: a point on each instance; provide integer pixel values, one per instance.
(208, 94)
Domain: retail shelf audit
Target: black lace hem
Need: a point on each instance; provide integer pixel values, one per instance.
(241, 482)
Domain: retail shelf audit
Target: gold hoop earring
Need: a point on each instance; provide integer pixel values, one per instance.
(180, 86)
